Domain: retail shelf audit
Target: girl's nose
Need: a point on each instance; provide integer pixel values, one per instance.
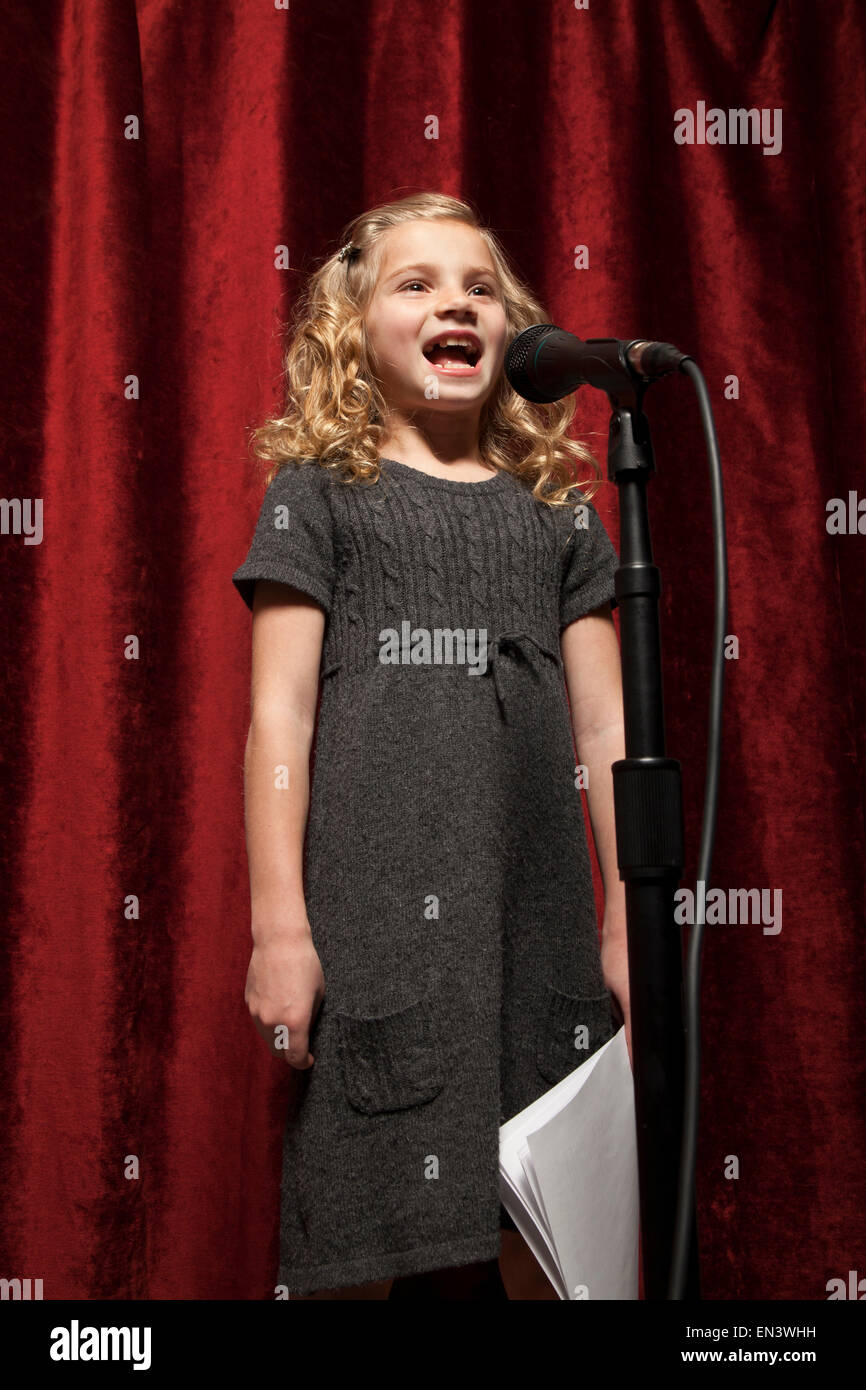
(455, 300)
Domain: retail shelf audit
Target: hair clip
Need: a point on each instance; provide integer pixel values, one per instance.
(350, 249)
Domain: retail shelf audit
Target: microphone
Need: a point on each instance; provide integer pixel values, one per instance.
(544, 363)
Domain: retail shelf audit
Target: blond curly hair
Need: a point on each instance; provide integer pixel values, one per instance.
(334, 411)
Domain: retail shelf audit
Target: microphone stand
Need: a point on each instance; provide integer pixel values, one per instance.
(649, 840)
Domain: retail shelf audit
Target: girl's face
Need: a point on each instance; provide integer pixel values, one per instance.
(436, 281)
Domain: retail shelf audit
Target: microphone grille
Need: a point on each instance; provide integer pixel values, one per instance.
(518, 358)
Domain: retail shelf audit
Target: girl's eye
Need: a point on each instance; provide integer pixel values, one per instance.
(411, 284)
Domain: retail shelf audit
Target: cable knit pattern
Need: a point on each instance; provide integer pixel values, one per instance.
(446, 869)
(516, 568)
(389, 558)
(471, 522)
(434, 571)
(352, 590)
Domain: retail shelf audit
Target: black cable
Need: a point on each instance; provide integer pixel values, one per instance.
(692, 980)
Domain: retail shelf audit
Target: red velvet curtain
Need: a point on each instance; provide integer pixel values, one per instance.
(158, 156)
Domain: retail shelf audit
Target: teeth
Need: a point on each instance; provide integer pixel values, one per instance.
(455, 341)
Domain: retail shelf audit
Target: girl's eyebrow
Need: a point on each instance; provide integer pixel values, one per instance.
(431, 270)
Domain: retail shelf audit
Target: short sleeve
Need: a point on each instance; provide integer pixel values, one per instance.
(588, 580)
(293, 540)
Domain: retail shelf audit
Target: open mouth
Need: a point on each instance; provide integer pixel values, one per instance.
(454, 352)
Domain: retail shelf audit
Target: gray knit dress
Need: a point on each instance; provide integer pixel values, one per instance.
(446, 871)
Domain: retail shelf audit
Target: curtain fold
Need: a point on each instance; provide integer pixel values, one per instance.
(161, 163)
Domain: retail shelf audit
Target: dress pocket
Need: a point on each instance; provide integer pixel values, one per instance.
(391, 1062)
(562, 1043)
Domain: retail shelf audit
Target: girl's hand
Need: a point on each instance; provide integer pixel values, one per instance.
(614, 965)
(284, 991)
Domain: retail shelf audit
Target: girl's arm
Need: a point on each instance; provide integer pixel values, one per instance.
(285, 982)
(591, 660)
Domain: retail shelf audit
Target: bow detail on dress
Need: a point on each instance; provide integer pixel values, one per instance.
(506, 646)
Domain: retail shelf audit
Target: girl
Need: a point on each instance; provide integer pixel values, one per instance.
(425, 940)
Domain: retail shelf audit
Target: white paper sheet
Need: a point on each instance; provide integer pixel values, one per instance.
(569, 1178)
